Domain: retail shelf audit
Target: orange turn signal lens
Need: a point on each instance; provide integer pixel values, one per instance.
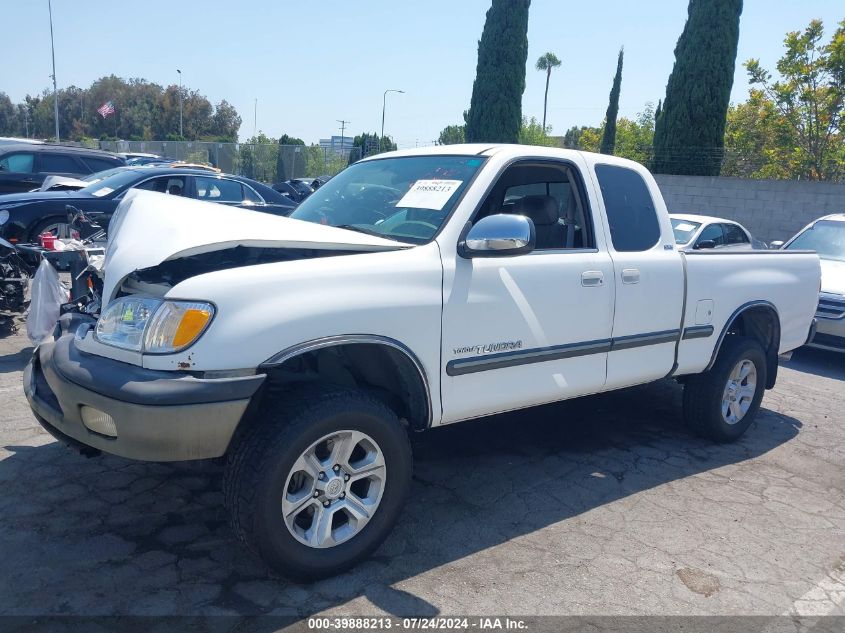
(192, 324)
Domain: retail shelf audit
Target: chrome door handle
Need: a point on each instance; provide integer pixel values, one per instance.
(630, 276)
(592, 278)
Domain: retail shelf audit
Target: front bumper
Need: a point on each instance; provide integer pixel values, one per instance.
(830, 332)
(158, 415)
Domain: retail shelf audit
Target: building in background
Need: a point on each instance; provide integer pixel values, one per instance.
(337, 144)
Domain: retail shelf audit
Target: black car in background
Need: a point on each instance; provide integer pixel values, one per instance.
(24, 216)
(296, 189)
(24, 167)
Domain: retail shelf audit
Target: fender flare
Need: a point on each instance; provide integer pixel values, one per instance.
(771, 354)
(352, 339)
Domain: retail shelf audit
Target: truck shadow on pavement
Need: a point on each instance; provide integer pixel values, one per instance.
(106, 536)
(818, 362)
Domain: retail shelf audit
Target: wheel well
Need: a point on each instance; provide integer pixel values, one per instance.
(387, 372)
(761, 323)
(32, 230)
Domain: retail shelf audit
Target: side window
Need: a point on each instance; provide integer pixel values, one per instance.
(712, 232)
(251, 196)
(50, 163)
(98, 164)
(173, 185)
(630, 209)
(545, 193)
(735, 235)
(219, 190)
(18, 163)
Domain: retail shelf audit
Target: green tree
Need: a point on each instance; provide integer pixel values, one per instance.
(9, 123)
(143, 111)
(287, 154)
(257, 158)
(608, 139)
(225, 123)
(810, 98)
(367, 144)
(690, 132)
(532, 133)
(495, 112)
(452, 135)
(758, 142)
(546, 62)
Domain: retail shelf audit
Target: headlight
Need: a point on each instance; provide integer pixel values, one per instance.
(4, 216)
(153, 326)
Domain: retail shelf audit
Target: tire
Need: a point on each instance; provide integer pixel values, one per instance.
(43, 226)
(707, 406)
(260, 475)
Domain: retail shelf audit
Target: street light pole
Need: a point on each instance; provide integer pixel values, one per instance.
(180, 103)
(55, 90)
(383, 106)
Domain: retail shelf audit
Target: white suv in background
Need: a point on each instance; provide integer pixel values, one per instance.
(826, 236)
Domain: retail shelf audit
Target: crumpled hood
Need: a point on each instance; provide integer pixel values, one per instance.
(833, 276)
(149, 228)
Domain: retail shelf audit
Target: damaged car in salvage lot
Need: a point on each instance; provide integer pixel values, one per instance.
(415, 289)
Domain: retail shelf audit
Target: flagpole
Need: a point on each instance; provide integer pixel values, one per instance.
(55, 90)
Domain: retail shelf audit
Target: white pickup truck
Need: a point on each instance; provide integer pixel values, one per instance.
(415, 289)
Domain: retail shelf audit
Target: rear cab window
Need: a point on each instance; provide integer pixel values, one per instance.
(631, 214)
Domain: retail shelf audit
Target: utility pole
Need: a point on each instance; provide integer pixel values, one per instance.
(180, 103)
(255, 120)
(343, 125)
(55, 90)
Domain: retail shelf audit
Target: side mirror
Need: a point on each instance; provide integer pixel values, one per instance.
(776, 244)
(499, 236)
(706, 244)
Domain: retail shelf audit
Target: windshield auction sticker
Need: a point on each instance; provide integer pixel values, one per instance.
(429, 194)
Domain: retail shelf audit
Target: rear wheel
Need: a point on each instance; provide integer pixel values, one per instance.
(721, 404)
(57, 226)
(318, 482)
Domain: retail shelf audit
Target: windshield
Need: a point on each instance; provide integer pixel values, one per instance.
(117, 181)
(97, 176)
(826, 237)
(404, 199)
(684, 230)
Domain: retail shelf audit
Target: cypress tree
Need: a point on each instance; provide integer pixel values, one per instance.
(658, 111)
(495, 111)
(690, 132)
(608, 139)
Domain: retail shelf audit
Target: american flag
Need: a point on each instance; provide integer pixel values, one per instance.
(106, 109)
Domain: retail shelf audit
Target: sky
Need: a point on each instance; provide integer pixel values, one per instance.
(311, 63)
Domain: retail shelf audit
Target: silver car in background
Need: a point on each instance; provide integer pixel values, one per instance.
(826, 236)
(704, 231)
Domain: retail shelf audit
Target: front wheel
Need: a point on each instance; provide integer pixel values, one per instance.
(318, 482)
(721, 404)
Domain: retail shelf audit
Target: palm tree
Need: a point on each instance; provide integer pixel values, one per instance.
(547, 62)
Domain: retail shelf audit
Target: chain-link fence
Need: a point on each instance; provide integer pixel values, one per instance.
(732, 161)
(267, 162)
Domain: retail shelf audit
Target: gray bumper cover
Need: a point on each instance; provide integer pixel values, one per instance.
(159, 416)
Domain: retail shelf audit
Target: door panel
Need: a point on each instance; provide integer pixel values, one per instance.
(519, 331)
(648, 316)
(649, 276)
